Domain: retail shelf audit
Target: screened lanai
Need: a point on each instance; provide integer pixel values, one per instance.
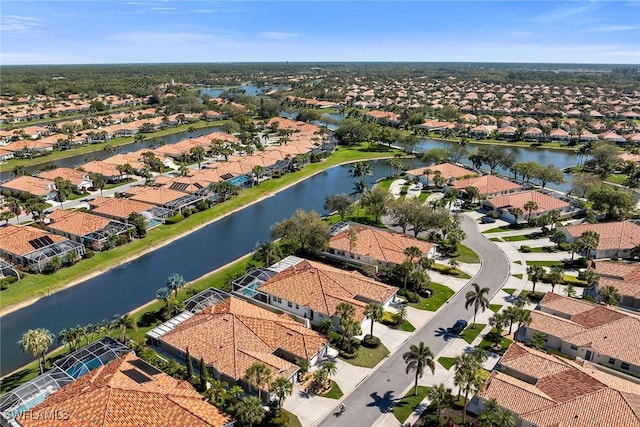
(205, 299)
(44, 254)
(7, 269)
(99, 239)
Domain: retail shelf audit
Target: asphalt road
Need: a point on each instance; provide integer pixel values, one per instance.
(376, 394)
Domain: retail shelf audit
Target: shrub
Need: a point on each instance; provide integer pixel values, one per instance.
(494, 214)
(186, 212)
(412, 297)
(174, 219)
(88, 253)
(525, 248)
(334, 336)
(564, 246)
(370, 341)
(348, 355)
(388, 318)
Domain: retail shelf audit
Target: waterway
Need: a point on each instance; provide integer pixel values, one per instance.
(124, 288)
(77, 160)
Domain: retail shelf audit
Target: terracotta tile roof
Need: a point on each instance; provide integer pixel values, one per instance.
(624, 287)
(487, 184)
(448, 170)
(108, 397)
(518, 200)
(381, 245)
(534, 364)
(613, 339)
(568, 384)
(75, 222)
(322, 288)
(103, 168)
(233, 335)
(619, 270)
(154, 195)
(606, 407)
(553, 325)
(569, 306)
(613, 235)
(30, 184)
(15, 238)
(118, 207)
(513, 394)
(74, 176)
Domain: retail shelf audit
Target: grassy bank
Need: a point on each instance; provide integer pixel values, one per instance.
(37, 285)
(116, 142)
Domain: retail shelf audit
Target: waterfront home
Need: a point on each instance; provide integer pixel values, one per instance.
(120, 209)
(373, 246)
(533, 134)
(593, 332)
(487, 185)
(126, 391)
(436, 125)
(33, 248)
(383, 117)
(96, 232)
(34, 186)
(624, 276)
(107, 170)
(481, 131)
(559, 135)
(545, 390)
(312, 290)
(505, 205)
(509, 133)
(78, 179)
(232, 334)
(162, 196)
(612, 136)
(448, 170)
(616, 238)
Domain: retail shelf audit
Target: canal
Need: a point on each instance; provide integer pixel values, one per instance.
(124, 288)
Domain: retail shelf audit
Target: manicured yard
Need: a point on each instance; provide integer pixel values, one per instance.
(369, 357)
(573, 280)
(499, 229)
(405, 406)
(510, 291)
(447, 362)
(517, 276)
(440, 295)
(471, 332)
(518, 262)
(451, 271)
(292, 420)
(485, 344)
(496, 239)
(335, 392)
(517, 238)
(545, 263)
(466, 255)
(495, 307)
(406, 326)
(616, 178)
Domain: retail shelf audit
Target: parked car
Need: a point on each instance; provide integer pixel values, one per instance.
(487, 220)
(459, 326)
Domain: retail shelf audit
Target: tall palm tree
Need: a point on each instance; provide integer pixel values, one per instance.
(349, 328)
(536, 273)
(374, 312)
(175, 282)
(250, 411)
(198, 153)
(126, 322)
(609, 295)
(530, 206)
(467, 378)
(344, 310)
(555, 276)
(14, 205)
(36, 342)
(478, 299)
(258, 375)
(440, 398)
(282, 388)
(412, 252)
(62, 190)
(165, 294)
(589, 241)
(417, 358)
(267, 251)
(359, 188)
(360, 169)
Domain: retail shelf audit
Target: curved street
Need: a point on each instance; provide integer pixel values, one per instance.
(377, 393)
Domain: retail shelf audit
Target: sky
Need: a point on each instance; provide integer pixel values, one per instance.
(153, 31)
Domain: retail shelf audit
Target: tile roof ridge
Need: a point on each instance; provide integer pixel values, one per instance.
(635, 406)
(188, 408)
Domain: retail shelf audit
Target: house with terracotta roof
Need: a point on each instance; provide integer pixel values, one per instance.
(487, 185)
(79, 179)
(232, 335)
(164, 196)
(126, 391)
(35, 186)
(544, 390)
(374, 246)
(384, 117)
(509, 133)
(93, 231)
(624, 276)
(481, 131)
(449, 171)
(120, 208)
(593, 332)
(312, 290)
(616, 238)
(33, 248)
(505, 205)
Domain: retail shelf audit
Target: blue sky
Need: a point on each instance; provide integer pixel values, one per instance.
(145, 31)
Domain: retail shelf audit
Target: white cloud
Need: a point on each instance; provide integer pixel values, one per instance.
(19, 24)
(278, 35)
(560, 13)
(614, 28)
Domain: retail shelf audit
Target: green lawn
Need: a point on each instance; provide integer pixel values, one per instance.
(518, 262)
(545, 263)
(517, 238)
(466, 255)
(35, 285)
(517, 276)
(485, 344)
(495, 307)
(471, 332)
(616, 178)
(573, 280)
(499, 229)
(446, 269)
(440, 295)
(496, 239)
(334, 393)
(406, 326)
(287, 419)
(447, 362)
(369, 357)
(510, 291)
(405, 406)
(386, 183)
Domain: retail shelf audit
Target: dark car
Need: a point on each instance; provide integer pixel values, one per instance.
(459, 326)
(487, 220)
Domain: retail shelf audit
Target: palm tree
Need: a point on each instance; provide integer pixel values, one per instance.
(19, 170)
(589, 241)
(536, 273)
(125, 322)
(417, 358)
(374, 312)
(165, 294)
(250, 411)
(97, 181)
(62, 190)
(494, 416)
(467, 378)
(412, 252)
(198, 153)
(258, 375)
(349, 328)
(517, 213)
(267, 251)
(282, 388)
(440, 397)
(360, 169)
(609, 295)
(36, 342)
(14, 205)
(344, 310)
(359, 188)
(478, 299)
(258, 171)
(6, 216)
(555, 276)
(530, 206)
(175, 282)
